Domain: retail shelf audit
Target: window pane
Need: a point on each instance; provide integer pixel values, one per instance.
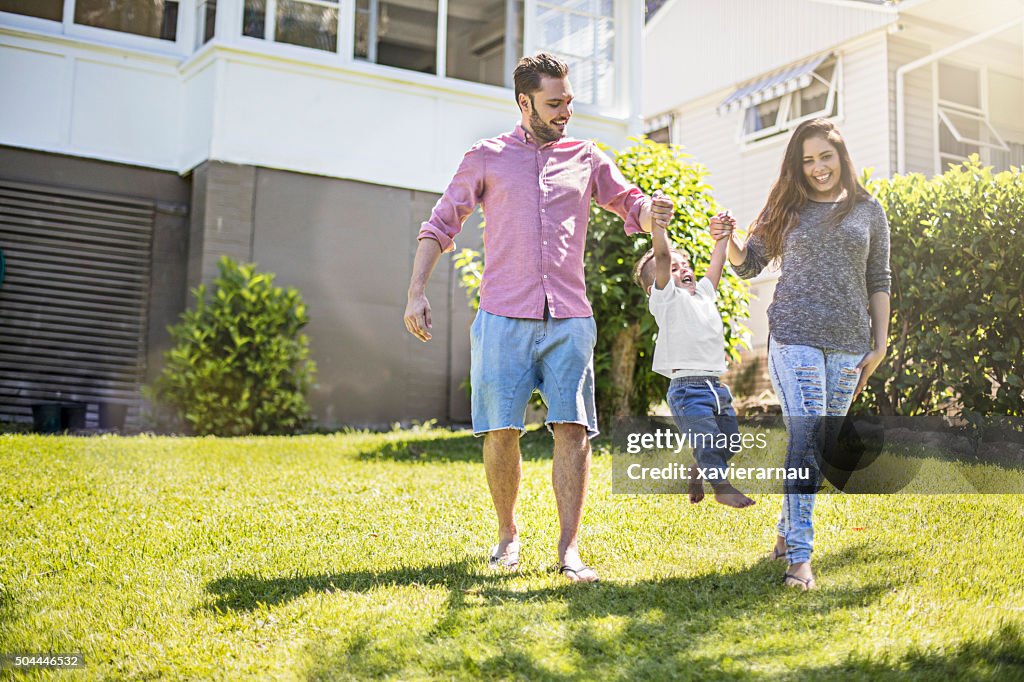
(254, 18)
(206, 21)
(404, 34)
(960, 85)
(585, 41)
(151, 18)
(44, 9)
(968, 129)
(480, 32)
(306, 24)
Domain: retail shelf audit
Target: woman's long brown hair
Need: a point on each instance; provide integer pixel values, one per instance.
(790, 194)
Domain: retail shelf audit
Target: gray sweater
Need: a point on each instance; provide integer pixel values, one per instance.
(828, 274)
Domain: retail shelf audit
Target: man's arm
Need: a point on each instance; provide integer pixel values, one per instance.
(417, 309)
(437, 234)
(613, 193)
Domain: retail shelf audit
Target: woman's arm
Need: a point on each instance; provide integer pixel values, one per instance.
(878, 309)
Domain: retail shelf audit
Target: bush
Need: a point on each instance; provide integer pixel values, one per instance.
(957, 302)
(625, 329)
(240, 364)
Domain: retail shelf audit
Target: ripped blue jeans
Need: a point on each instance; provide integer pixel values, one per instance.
(811, 383)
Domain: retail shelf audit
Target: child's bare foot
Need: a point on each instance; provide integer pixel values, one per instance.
(696, 490)
(780, 550)
(726, 494)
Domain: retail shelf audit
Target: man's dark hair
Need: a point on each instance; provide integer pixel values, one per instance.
(530, 70)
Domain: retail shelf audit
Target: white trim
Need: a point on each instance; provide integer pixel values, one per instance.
(891, 10)
(347, 30)
(441, 39)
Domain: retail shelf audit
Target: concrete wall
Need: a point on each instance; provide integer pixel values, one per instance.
(348, 248)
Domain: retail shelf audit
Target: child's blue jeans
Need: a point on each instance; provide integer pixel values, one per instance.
(811, 383)
(702, 406)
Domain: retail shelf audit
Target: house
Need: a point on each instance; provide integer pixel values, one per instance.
(142, 140)
(913, 85)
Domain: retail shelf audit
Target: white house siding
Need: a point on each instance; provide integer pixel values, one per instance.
(919, 109)
(248, 108)
(742, 176)
(694, 46)
(89, 100)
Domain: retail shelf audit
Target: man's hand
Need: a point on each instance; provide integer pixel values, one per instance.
(722, 226)
(417, 317)
(662, 210)
(867, 366)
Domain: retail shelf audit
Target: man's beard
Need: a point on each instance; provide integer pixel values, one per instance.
(543, 131)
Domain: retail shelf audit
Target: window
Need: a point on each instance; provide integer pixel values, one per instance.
(964, 128)
(482, 39)
(43, 9)
(582, 32)
(401, 33)
(150, 18)
(206, 21)
(779, 102)
(659, 129)
(307, 23)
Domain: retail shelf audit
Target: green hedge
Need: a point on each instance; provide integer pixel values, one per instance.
(957, 301)
(240, 364)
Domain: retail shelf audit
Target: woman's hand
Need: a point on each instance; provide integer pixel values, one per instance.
(867, 366)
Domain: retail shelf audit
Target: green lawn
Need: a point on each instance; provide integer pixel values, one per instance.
(357, 556)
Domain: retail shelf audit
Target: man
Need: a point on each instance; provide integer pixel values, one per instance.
(535, 328)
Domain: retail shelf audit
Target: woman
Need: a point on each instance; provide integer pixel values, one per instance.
(829, 319)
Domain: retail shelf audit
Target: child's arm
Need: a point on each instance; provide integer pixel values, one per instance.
(662, 257)
(721, 222)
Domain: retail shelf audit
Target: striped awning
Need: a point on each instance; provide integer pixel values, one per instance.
(774, 85)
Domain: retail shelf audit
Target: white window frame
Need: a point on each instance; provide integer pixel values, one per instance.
(783, 122)
(944, 108)
(539, 6)
(182, 44)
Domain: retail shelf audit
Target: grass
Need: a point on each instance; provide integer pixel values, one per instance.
(361, 556)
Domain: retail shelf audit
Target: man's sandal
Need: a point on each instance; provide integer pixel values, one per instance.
(579, 574)
(509, 561)
(803, 584)
(775, 554)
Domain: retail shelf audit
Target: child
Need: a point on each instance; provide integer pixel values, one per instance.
(690, 351)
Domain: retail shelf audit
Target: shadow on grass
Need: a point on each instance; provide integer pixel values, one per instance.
(998, 656)
(535, 445)
(651, 613)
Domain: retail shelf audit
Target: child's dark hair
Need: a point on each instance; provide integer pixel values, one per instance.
(645, 279)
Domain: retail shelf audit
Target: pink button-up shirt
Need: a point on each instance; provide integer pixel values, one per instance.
(536, 202)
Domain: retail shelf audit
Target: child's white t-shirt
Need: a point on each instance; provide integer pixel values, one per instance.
(690, 331)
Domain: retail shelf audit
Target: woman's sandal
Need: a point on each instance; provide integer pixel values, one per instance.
(775, 554)
(804, 584)
(579, 573)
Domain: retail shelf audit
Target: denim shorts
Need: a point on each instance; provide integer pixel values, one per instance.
(512, 357)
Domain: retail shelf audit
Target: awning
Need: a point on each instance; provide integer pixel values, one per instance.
(774, 85)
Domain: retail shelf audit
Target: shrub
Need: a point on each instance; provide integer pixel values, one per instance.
(957, 303)
(626, 331)
(240, 364)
